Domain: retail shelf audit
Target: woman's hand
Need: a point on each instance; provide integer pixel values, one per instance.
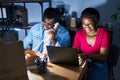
(83, 56)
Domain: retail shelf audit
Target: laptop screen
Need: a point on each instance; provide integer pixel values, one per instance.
(63, 55)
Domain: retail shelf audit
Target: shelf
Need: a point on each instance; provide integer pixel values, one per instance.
(25, 0)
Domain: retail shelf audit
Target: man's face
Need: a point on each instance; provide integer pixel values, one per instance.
(48, 23)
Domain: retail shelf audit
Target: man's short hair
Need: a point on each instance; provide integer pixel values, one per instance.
(52, 13)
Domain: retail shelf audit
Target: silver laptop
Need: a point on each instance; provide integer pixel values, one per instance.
(63, 55)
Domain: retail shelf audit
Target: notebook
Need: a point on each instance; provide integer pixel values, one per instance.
(63, 55)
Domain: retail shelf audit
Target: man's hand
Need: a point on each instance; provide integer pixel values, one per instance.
(29, 53)
(52, 34)
(41, 54)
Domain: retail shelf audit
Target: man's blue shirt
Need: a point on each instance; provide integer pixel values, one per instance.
(36, 35)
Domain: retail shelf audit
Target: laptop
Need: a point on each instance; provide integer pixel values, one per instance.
(63, 55)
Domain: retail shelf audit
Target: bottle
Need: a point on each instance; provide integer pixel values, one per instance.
(73, 19)
(73, 22)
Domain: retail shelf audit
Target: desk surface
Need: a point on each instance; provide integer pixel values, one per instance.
(57, 72)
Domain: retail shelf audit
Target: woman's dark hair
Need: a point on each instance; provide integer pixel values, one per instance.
(51, 13)
(92, 14)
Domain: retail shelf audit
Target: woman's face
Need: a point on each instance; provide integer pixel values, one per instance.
(88, 25)
(48, 23)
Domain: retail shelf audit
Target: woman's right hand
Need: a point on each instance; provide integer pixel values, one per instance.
(82, 57)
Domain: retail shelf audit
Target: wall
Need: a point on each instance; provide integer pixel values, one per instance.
(105, 7)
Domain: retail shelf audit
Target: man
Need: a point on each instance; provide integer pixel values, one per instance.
(47, 33)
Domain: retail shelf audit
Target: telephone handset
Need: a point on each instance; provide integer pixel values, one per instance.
(56, 25)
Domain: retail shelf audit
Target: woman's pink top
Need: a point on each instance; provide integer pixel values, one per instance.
(102, 41)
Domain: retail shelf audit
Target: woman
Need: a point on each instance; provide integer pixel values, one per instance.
(94, 43)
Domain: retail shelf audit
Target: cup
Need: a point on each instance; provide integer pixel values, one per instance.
(41, 64)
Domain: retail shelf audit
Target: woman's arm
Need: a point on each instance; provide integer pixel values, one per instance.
(104, 50)
(102, 56)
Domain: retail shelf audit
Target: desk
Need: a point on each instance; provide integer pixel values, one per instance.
(58, 72)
